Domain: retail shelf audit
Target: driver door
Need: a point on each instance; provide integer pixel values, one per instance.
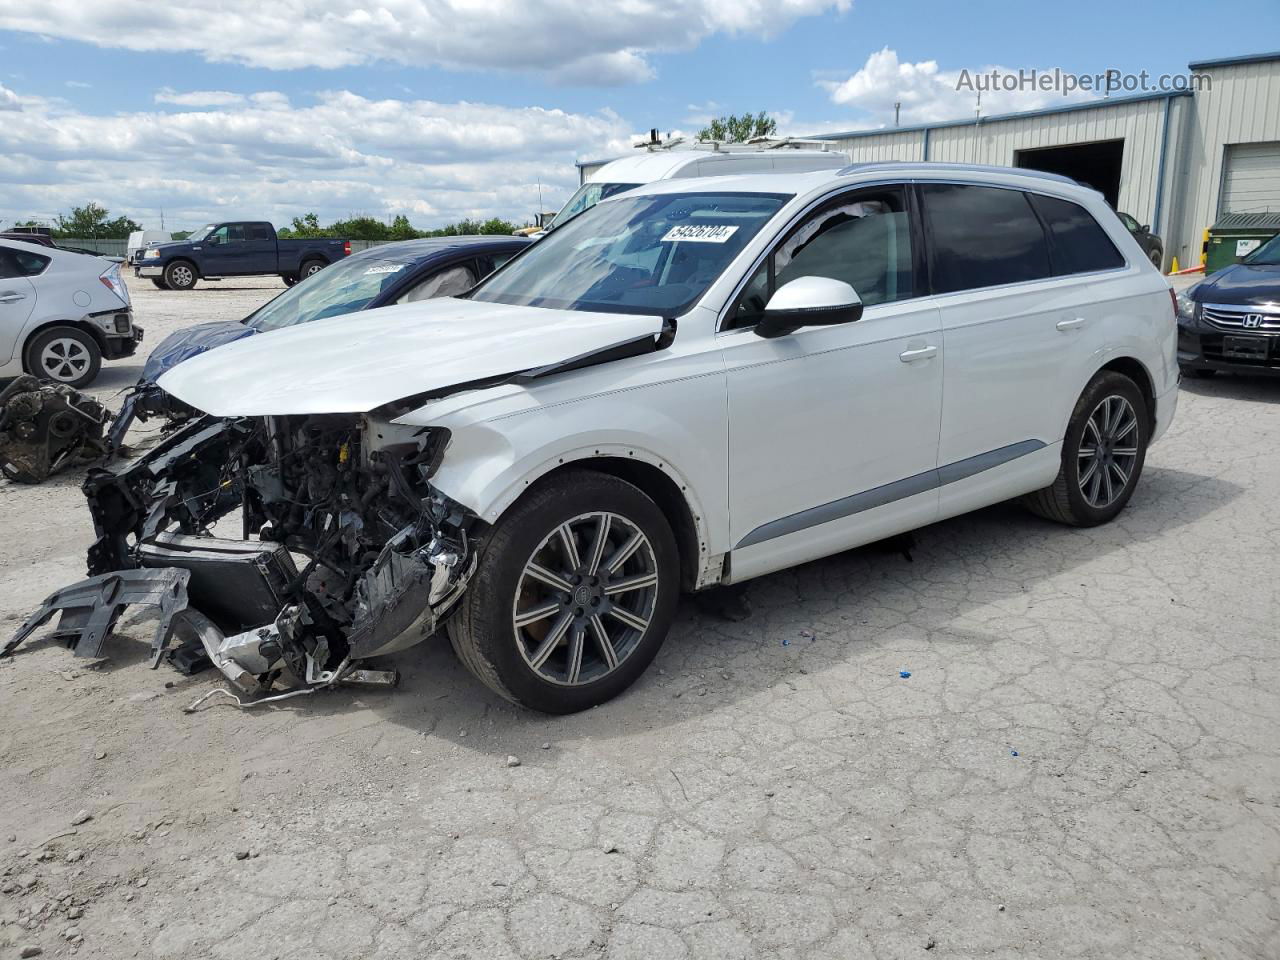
(833, 430)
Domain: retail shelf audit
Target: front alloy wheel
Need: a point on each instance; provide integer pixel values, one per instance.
(574, 592)
(586, 597)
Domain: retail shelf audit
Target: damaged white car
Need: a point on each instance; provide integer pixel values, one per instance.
(690, 385)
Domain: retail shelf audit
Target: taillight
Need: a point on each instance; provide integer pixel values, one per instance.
(346, 248)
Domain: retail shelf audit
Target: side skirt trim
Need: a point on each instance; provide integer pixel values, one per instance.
(889, 492)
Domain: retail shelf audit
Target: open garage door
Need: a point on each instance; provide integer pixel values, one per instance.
(1251, 178)
(1096, 164)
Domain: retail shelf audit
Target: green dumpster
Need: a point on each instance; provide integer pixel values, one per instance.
(1236, 235)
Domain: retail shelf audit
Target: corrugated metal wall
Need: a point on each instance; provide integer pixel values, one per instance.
(1241, 106)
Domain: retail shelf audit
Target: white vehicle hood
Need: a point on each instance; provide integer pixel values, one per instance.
(356, 362)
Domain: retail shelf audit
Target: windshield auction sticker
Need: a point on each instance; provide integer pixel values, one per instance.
(385, 268)
(692, 233)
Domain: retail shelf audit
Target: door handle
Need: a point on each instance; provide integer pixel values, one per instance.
(11, 296)
(1075, 323)
(919, 353)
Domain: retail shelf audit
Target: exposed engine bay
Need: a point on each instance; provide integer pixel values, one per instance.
(343, 550)
(45, 427)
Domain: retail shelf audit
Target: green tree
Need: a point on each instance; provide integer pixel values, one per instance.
(359, 228)
(308, 225)
(735, 129)
(91, 222)
(402, 229)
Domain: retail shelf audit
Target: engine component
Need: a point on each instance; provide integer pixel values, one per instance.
(46, 426)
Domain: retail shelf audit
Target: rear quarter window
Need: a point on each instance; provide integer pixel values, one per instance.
(982, 237)
(1079, 244)
(21, 263)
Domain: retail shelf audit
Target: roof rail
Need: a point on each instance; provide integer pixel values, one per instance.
(907, 166)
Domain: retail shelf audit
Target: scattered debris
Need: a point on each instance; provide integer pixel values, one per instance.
(30, 951)
(904, 674)
(610, 848)
(242, 854)
(546, 746)
(930, 943)
(513, 761)
(45, 426)
(84, 816)
(1013, 753)
(100, 755)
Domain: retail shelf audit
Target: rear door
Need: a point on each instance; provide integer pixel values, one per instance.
(990, 269)
(17, 297)
(258, 252)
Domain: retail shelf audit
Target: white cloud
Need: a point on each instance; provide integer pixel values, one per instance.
(79, 85)
(199, 98)
(564, 38)
(928, 94)
(8, 99)
(260, 156)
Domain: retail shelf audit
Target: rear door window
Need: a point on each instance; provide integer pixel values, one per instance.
(21, 263)
(1079, 244)
(982, 237)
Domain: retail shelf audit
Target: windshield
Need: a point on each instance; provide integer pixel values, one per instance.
(1266, 255)
(202, 232)
(345, 287)
(588, 195)
(654, 254)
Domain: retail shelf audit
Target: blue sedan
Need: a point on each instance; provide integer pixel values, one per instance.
(392, 273)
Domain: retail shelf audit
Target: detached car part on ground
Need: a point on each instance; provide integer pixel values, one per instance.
(689, 385)
(404, 272)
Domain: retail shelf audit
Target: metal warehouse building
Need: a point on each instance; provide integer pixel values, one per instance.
(1176, 161)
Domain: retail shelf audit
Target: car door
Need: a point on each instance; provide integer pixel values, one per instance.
(833, 430)
(257, 252)
(17, 300)
(223, 253)
(1009, 328)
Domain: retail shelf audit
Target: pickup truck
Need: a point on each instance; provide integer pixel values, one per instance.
(238, 249)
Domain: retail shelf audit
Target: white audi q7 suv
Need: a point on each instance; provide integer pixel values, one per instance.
(692, 384)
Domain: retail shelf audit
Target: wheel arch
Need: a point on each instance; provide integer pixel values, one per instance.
(1136, 371)
(188, 261)
(655, 477)
(99, 337)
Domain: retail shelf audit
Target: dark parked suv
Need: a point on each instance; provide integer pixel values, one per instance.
(1231, 319)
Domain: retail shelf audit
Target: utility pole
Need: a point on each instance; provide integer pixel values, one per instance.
(897, 110)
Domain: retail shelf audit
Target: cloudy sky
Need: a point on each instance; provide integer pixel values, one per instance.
(442, 109)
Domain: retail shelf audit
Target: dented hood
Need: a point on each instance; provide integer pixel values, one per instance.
(335, 366)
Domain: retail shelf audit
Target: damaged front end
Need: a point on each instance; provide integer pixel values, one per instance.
(343, 550)
(47, 426)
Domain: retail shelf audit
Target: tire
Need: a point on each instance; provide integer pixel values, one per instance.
(160, 284)
(1156, 257)
(310, 267)
(1198, 373)
(65, 355)
(289, 279)
(1069, 500)
(504, 656)
(180, 275)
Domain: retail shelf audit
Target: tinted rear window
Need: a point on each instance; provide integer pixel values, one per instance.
(982, 237)
(21, 263)
(1079, 244)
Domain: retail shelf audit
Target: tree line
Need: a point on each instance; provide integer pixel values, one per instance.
(94, 222)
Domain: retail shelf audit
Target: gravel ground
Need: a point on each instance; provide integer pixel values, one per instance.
(1083, 762)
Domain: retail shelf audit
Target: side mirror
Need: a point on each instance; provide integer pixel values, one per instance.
(809, 302)
(213, 240)
(1145, 228)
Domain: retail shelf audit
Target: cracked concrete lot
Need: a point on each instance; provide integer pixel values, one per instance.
(1083, 762)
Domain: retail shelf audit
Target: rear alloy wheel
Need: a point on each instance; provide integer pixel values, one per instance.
(289, 279)
(1155, 256)
(573, 595)
(1102, 454)
(64, 355)
(179, 275)
(309, 268)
